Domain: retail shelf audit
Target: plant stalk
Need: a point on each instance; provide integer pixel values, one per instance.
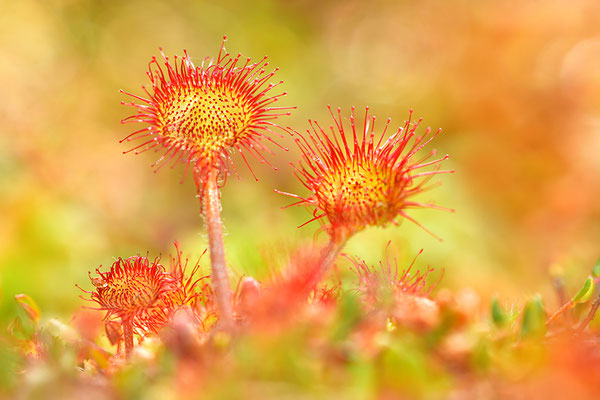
(211, 207)
(328, 256)
(590, 316)
(127, 336)
(568, 305)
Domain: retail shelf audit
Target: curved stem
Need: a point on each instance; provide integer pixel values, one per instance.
(211, 207)
(127, 336)
(568, 305)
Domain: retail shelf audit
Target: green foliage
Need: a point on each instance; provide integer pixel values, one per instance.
(596, 269)
(405, 368)
(585, 293)
(502, 317)
(12, 363)
(349, 315)
(534, 317)
(499, 316)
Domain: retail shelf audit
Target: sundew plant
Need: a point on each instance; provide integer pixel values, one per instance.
(181, 327)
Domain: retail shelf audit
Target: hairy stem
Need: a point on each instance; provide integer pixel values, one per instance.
(328, 256)
(127, 336)
(211, 206)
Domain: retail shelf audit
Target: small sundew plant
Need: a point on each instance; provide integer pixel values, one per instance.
(358, 178)
(142, 294)
(387, 279)
(403, 295)
(199, 115)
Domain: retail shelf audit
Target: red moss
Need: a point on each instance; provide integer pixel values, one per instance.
(286, 295)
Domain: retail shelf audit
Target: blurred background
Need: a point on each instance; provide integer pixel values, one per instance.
(515, 85)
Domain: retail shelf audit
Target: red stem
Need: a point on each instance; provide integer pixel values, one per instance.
(211, 207)
(590, 316)
(127, 336)
(558, 312)
(328, 256)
